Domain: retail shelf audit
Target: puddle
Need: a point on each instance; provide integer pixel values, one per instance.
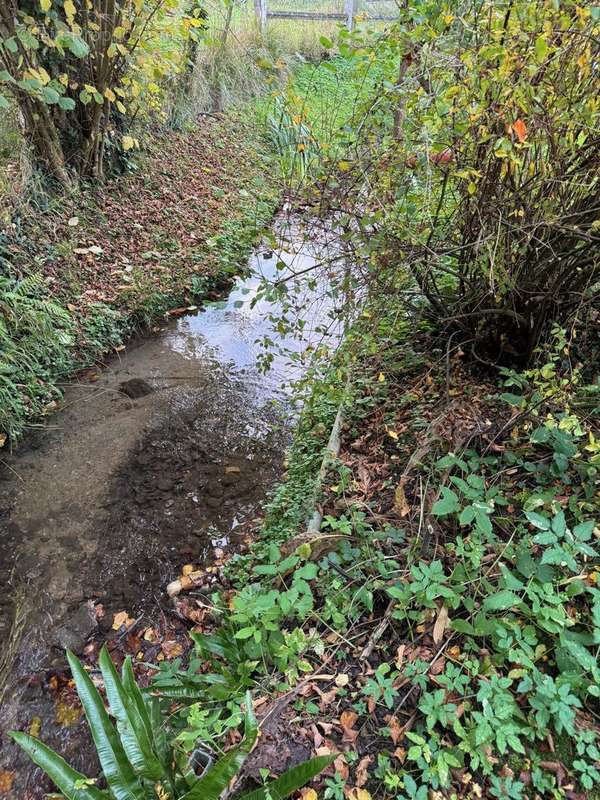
(107, 502)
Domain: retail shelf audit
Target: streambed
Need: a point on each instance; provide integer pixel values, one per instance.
(164, 456)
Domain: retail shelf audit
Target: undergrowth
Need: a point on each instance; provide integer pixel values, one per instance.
(64, 302)
(455, 604)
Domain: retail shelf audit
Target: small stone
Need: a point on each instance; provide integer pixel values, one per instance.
(135, 388)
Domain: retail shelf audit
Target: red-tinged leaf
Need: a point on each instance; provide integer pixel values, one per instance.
(520, 130)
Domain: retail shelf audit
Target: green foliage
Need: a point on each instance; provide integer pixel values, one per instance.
(36, 335)
(135, 755)
(466, 116)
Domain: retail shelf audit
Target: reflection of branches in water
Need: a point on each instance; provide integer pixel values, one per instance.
(304, 318)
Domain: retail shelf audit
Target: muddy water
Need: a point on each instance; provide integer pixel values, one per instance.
(116, 492)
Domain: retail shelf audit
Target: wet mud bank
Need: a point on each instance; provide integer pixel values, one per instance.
(163, 457)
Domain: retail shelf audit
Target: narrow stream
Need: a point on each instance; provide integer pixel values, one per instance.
(105, 503)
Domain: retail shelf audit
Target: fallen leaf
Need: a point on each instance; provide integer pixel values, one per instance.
(326, 697)
(347, 721)
(441, 624)
(308, 794)
(359, 794)
(171, 649)
(341, 767)
(401, 506)
(342, 680)
(396, 729)
(151, 636)
(6, 781)
(400, 656)
(3, 438)
(67, 715)
(122, 618)
(361, 774)
(520, 130)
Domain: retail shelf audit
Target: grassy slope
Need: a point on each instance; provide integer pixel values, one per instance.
(79, 274)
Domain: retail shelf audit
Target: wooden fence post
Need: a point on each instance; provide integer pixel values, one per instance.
(350, 11)
(260, 9)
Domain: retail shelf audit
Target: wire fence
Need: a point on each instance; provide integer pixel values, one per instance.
(346, 11)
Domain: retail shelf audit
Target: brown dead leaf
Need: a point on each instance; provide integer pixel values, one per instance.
(341, 767)
(438, 666)
(362, 774)
(347, 721)
(6, 781)
(396, 729)
(3, 438)
(326, 727)
(441, 624)
(317, 738)
(326, 697)
(171, 649)
(400, 656)
(400, 754)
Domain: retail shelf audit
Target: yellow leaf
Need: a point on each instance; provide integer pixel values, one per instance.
(359, 794)
(400, 504)
(64, 78)
(309, 794)
(110, 95)
(381, 377)
(35, 727)
(122, 618)
(70, 9)
(128, 142)
(343, 166)
(45, 5)
(121, 107)
(393, 435)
